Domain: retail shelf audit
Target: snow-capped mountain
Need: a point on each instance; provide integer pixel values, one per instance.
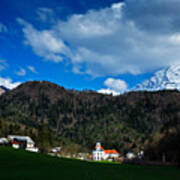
(3, 90)
(168, 78)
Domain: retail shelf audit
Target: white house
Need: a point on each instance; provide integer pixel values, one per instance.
(140, 154)
(100, 153)
(56, 150)
(32, 149)
(22, 141)
(3, 140)
(130, 155)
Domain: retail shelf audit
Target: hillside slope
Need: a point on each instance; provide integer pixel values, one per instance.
(129, 121)
(17, 164)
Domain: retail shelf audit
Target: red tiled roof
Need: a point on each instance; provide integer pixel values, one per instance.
(14, 142)
(17, 142)
(111, 151)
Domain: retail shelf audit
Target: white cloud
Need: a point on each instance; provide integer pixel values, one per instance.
(124, 38)
(144, 14)
(109, 91)
(3, 64)
(3, 28)
(32, 69)
(114, 86)
(45, 14)
(8, 83)
(44, 43)
(21, 72)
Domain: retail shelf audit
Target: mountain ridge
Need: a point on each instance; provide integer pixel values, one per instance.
(164, 79)
(3, 89)
(125, 122)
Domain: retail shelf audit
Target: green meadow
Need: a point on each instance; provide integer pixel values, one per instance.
(21, 165)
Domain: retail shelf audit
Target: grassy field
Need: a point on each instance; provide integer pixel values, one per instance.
(20, 165)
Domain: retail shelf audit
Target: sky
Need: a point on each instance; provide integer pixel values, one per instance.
(108, 46)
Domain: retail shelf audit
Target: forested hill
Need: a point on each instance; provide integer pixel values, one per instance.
(129, 121)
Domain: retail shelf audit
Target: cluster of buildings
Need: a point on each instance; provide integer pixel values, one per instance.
(24, 142)
(98, 154)
(19, 142)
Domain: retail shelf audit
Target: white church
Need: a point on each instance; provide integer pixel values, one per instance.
(100, 153)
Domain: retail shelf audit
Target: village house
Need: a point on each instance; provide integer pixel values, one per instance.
(3, 141)
(130, 155)
(56, 150)
(100, 153)
(22, 142)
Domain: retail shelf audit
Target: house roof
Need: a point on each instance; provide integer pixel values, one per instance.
(21, 138)
(18, 142)
(111, 151)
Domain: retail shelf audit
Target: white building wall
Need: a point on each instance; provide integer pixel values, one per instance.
(98, 155)
(3, 140)
(106, 156)
(29, 145)
(16, 146)
(33, 149)
(114, 155)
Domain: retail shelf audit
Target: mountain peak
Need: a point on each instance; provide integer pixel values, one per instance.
(3, 90)
(167, 78)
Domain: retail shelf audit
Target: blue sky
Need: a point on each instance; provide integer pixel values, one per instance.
(106, 45)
